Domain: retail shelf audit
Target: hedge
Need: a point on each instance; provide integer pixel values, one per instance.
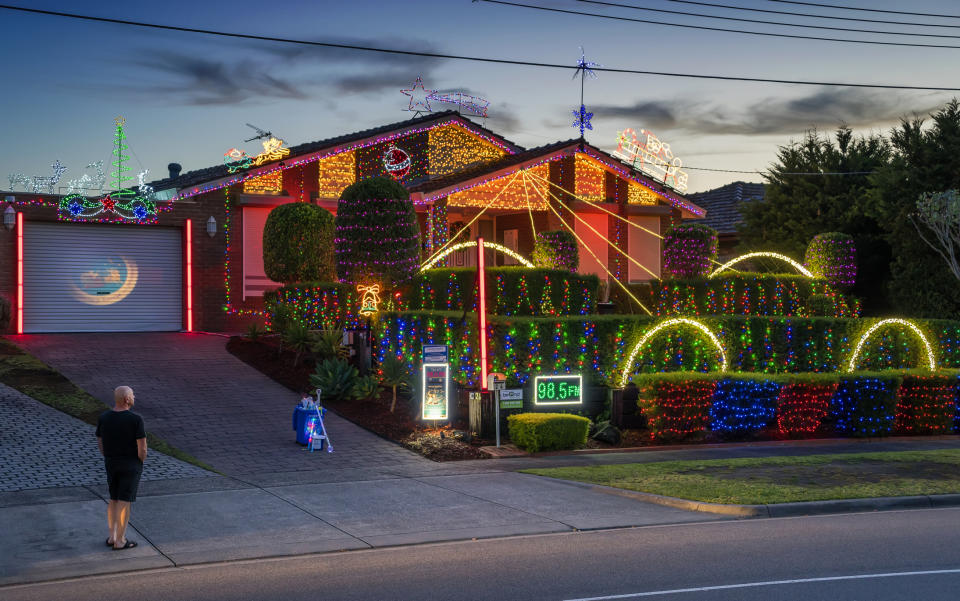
(298, 243)
(548, 431)
(318, 305)
(689, 249)
(598, 345)
(865, 404)
(510, 291)
(556, 249)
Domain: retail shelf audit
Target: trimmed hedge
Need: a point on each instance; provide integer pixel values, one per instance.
(548, 431)
(317, 305)
(833, 256)
(556, 249)
(298, 243)
(865, 404)
(510, 291)
(689, 250)
(597, 345)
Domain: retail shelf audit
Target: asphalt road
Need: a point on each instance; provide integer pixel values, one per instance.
(886, 556)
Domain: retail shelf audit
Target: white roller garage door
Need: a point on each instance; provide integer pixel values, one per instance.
(101, 278)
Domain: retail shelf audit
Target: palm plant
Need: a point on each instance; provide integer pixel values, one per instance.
(328, 344)
(254, 331)
(336, 379)
(393, 373)
(298, 338)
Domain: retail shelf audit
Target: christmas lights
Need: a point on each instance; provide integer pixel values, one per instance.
(396, 161)
(652, 156)
(865, 406)
(370, 299)
(268, 183)
(927, 404)
(273, 149)
(505, 192)
(688, 250)
(336, 173)
(802, 407)
(770, 255)
(928, 350)
(236, 159)
(833, 257)
(677, 409)
(743, 406)
(419, 101)
(472, 244)
(582, 119)
(455, 148)
(590, 180)
(669, 323)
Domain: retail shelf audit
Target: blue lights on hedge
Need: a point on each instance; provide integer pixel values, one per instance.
(741, 407)
(865, 406)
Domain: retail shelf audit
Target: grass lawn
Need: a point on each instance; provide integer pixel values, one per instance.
(29, 375)
(781, 479)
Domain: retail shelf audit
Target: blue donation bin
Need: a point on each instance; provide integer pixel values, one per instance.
(304, 423)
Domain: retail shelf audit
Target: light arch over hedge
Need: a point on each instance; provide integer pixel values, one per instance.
(770, 255)
(666, 324)
(931, 361)
(473, 243)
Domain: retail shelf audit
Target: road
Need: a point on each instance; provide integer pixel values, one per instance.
(885, 556)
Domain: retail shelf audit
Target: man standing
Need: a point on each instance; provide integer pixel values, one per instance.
(123, 444)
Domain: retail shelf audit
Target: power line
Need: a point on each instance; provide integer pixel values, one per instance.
(811, 15)
(722, 29)
(566, 67)
(763, 22)
(871, 10)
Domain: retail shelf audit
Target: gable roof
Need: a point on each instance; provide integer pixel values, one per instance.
(723, 204)
(208, 174)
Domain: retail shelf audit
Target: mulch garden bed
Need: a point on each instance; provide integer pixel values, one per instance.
(285, 367)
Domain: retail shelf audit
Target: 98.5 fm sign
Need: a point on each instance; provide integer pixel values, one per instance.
(558, 390)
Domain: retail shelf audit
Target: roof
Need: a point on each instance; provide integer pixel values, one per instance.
(723, 204)
(199, 176)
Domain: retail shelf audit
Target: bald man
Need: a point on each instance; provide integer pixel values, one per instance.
(123, 444)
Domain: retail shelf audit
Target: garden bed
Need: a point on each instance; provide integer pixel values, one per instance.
(284, 367)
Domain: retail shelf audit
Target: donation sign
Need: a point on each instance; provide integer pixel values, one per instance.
(435, 401)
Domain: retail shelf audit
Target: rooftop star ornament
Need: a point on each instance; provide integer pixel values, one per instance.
(419, 97)
(582, 119)
(585, 67)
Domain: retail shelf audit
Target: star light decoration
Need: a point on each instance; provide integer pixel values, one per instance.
(584, 70)
(419, 101)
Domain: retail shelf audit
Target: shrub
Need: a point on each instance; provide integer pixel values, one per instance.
(298, 338)
(927, 405)
(510, 291)
(676, 406)
(556, 250)
(689, 250)
(366, 387)
(743, 405)
(336, 379)
(328, 344)
(318, 305)
(254, 331)
(833, 257)
(820, 305)
(377, 236)
(802, 406)
(865, 406)
(393, 373)
(548, 431)
(298, 243)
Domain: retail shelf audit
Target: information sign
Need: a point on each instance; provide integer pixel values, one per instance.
(435, 387)
(558, 390)
(435, 353)
(511, 398)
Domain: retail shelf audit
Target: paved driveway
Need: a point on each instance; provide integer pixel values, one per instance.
(200, 398)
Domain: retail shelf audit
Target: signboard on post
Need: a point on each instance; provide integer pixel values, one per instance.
(435, 403)
(435, 353)
(511, 398)
(564, 389)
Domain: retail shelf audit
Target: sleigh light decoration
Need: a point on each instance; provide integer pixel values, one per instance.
(651, 156)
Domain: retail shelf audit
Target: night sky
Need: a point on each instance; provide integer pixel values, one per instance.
(186, 97)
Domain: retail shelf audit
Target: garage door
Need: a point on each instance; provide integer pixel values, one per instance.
(101, 278)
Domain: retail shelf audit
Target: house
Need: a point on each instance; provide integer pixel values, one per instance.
(723, 206)
(195, 262)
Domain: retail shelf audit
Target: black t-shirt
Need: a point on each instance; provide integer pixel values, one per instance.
(120, 431)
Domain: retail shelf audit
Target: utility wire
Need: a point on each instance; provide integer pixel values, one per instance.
(763, 22)
(811, 15)
(871, 10)
(721, 29)
(470, 58)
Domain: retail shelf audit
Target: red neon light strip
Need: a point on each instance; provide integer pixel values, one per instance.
(19, 273)
(482, 314)
(189, 250)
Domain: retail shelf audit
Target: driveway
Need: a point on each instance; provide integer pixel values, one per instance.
(200, 398)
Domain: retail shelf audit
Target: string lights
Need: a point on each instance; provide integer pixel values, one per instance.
(928, 350)
(765, 254)
(669, 323)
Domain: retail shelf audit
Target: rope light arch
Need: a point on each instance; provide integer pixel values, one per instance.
(473, 244)
(931, 361)
(666, 324)
(771, 255)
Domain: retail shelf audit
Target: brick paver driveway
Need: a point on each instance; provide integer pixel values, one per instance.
(202, 399)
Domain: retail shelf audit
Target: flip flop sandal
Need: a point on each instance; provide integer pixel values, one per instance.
(127, 545)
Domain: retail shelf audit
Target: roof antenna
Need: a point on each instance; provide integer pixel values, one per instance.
(260, 133)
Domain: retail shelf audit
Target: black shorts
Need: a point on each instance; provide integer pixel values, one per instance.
(123, 477)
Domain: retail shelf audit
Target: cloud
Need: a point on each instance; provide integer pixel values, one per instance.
(824, 108)
(251, 73)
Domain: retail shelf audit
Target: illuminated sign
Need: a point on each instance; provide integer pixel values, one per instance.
(558, 390)
(435, 386)
(651, 156)
(370, 299)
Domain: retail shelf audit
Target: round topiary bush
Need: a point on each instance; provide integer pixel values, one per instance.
(833, 257)
(688, 250)
(556, 250)
(298, 244)
(377, 239)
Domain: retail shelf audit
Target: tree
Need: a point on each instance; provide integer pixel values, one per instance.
(298, 244)
(798, 206)
(377, 235)
(925, 160)
(940, 212)
(556, 249)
